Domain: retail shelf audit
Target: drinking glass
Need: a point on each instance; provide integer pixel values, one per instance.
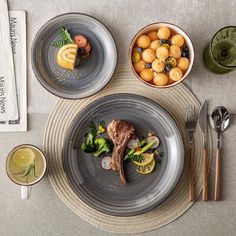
(26, 166)
(220, 54)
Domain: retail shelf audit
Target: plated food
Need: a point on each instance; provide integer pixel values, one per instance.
(123, 145)
(92, 178)
(161, 55)
(71, 52)
(73, 55)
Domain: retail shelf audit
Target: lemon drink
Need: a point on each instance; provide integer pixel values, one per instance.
(26, 165)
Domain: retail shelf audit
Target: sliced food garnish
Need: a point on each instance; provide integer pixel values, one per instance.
(146, 169)
(152, 138)
(23, 157)
(133, 143)
(106, 163)
(147, 158)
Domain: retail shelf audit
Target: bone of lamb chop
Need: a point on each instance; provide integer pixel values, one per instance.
(120, 132)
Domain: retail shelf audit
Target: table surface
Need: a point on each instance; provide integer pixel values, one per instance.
(45, 213)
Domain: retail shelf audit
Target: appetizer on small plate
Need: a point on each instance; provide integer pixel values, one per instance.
(71, 51)
(73, 55)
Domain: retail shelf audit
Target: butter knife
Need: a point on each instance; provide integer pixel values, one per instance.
(203, 126)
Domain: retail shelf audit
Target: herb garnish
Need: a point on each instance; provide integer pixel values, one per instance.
(65, 38)
(28, 171)
(137, 158)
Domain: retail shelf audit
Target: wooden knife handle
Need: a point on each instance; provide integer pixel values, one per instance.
(191, 176)
(205, 170)
(218, 174)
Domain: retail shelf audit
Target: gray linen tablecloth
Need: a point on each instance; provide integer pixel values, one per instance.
(45, 214)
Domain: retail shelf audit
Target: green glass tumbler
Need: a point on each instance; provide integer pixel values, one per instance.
(220, 54)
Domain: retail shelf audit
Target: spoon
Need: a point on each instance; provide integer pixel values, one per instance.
(219, 120)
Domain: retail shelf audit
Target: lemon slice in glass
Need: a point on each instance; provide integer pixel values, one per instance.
(23, 157)
(148, 158)
(147, 169)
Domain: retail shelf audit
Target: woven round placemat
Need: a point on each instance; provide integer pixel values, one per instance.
(175, 100)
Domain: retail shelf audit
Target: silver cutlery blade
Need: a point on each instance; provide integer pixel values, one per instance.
(203, 120)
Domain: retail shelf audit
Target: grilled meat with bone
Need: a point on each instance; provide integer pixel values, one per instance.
(120, 132)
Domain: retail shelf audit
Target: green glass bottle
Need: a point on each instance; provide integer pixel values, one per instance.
(220, 54)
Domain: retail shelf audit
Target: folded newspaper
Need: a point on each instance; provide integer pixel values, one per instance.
(8, 100)
(17, 23)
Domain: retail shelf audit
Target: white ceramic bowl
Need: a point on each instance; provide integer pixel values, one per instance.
(173, 28)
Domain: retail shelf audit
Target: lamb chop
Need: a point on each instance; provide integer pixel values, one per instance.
(120, 132)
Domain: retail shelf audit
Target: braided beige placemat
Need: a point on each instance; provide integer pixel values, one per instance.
(175, 100)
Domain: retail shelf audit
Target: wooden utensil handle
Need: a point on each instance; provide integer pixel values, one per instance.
(191, 176)
(218, 174)
(205, 182)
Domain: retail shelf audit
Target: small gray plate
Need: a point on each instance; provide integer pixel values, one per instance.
(89, 77)
(102, 189)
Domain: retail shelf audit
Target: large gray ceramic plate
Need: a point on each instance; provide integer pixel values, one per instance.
(102, 189)
(89, 77)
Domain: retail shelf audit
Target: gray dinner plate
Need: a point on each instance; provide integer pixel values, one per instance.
(89, 77)
(102, 189)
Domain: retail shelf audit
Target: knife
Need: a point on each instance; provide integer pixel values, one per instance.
(203, 126)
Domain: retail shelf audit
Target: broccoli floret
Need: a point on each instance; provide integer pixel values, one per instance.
(93, 145)
(102, 146)
(88, 144)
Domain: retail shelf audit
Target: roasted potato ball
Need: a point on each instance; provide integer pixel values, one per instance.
(183, 63)
(147, 75)
(152, 35)
(175, 51)
(163, 33)
(162, 53)
(158, 65)
(177, 40)
(148, 55)
(160, 79)
(155, 44)
(143, 41)
(139, 66)
(176, 74)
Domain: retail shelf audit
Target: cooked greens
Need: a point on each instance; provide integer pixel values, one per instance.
(89, 143)
(129, 155)
(95, 145)
(102, 146)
